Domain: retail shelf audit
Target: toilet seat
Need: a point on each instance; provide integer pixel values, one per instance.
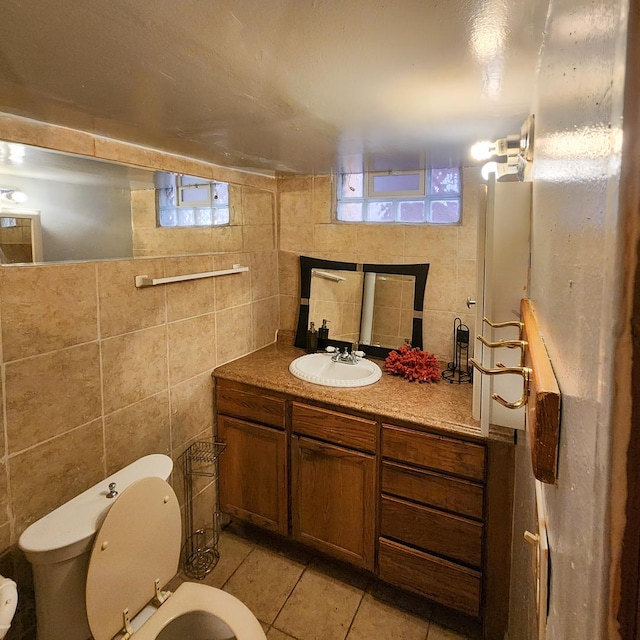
(192, 597)
(137, 551)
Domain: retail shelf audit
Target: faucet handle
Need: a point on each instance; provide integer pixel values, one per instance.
(112, 490)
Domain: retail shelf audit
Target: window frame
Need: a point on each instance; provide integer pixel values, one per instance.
(343, 180)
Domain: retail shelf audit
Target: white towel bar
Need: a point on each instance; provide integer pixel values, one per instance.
(146, 281)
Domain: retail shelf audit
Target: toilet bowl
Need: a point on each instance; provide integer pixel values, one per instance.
(8, 603)
(132, 551)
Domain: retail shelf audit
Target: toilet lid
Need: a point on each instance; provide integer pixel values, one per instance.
(137, 544)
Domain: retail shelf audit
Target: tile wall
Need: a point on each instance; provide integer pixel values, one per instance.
(96, 373)
(306, 228)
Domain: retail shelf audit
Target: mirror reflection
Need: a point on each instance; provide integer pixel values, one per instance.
(376, 305)
(20, 237)
(90, 209)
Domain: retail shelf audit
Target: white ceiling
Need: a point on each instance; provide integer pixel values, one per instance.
(287, 85)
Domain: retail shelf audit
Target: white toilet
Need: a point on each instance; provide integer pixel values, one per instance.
(99, 564)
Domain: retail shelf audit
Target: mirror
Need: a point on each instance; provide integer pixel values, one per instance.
(379, 306)
(88, 206)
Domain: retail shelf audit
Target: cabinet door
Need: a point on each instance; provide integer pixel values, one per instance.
(253, 473)
(333, 500)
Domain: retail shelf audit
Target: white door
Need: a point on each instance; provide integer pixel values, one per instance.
(504, 245)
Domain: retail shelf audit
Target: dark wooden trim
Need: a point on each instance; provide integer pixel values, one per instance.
(625, 597)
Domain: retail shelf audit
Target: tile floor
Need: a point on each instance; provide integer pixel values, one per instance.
(299, 596)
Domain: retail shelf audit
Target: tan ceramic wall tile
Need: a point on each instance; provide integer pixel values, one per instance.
(203, 505)
(375, 240)
(192, 347)
(5, 540)
(124, 307)
(335, 237)
(437, 333)
(297, 238)
(41, 134)
(265, 316)
(431, 243)
(50, 394)
(289, 273)
(138, 430)
(259, 238)
(235, 204)
(2, 423)
(234, 289)
(134, 366)
(191, 409)
(264, 274)
(234, 333)
(466, 282)
(4, 497)
(322, 199)
(440, 294)
(289, 312)
(191, 297)
(296, 208)
(46, 308)
(257, 207)
(227, 239)
(46, 476)
(294, 183)
(467, 242)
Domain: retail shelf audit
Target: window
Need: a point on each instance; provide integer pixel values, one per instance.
(187, 201)
(400, 194)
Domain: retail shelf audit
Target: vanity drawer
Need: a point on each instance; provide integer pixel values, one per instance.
(443, 492)
(251, 405)
(436, 531)
(338, 428)
(435, 452)
(445, 582)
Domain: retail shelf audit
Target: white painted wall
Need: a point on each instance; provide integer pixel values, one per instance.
(79, 221)
(575, 282)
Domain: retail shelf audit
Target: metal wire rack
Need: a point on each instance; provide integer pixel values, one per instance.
(200, 551)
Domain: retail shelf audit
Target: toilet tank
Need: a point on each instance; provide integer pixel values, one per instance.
(58, 547)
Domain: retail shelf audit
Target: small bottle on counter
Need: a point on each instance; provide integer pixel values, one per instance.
(323, 335)
(312, 339)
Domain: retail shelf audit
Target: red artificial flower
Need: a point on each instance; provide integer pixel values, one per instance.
(413, 364)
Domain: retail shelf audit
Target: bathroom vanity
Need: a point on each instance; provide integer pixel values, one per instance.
(394, 478)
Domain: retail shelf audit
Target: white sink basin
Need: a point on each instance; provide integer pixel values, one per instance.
(318, 368)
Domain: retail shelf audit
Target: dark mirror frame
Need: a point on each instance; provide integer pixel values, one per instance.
(419, 271)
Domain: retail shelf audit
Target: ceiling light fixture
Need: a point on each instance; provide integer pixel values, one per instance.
(516, 151)
(14, 196)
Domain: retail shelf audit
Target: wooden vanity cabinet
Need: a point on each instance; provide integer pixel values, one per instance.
(254, 466)
(426, 512)
(432, 516)
(333, 483)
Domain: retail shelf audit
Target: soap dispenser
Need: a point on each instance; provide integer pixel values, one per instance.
(312, 339)
(323, 335)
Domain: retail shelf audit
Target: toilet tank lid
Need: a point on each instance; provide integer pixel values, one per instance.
(80, 518)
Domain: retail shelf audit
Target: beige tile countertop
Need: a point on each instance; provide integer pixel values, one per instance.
(440, 405)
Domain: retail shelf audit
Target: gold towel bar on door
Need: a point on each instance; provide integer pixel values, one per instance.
(500, 369)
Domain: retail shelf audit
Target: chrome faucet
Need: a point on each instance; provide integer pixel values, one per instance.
(346, 357)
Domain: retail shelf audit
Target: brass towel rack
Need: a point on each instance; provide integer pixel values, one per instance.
(541, 393)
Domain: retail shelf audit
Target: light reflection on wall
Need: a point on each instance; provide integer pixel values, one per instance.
(583, 155)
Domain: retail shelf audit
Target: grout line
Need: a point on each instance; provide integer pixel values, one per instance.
(105, 466)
